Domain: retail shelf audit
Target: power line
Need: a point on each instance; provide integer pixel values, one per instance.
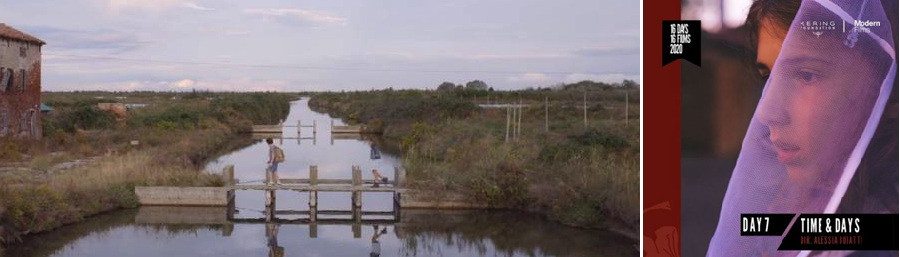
(324, 68)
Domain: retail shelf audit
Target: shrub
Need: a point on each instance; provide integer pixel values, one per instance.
(82, 116)
(9, 150)
(577, 176)
(595, 137)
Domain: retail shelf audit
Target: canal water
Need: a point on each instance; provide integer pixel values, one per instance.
(197, 231)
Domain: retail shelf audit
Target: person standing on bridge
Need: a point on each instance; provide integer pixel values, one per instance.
(378, 177)
(276, 156)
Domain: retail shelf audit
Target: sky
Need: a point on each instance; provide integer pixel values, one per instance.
(290, 45)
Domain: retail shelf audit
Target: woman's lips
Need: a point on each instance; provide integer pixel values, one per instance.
(787, 152)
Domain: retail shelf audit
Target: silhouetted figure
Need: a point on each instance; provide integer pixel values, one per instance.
(374, 154)
(376, 246)
(272, 236)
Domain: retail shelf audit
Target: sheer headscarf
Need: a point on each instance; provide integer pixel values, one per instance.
(819, 110)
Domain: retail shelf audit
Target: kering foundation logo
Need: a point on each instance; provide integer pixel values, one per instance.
(818, 27)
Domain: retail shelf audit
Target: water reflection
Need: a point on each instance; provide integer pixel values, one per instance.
(334, 158)
(164, 231)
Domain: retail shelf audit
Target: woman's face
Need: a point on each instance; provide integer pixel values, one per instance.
(816, 102)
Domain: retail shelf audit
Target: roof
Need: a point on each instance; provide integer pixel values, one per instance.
(11, 33)
(46, 108)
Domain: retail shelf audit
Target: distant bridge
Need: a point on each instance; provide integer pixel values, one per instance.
(339, 129)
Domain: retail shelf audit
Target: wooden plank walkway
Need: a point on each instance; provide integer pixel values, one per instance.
(276, 128)
(314, 188)
(356, 185)
(339, 129)
(364, 222)
(272, 129)
(347, 129)
(336, 212)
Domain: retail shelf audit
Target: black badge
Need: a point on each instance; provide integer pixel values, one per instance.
(681, 40)
(764, 224)
(842, 232)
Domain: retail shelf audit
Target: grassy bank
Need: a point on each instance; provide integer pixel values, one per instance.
(175, 135)
(586, 176)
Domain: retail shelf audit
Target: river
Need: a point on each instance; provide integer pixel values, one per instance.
(204, 231)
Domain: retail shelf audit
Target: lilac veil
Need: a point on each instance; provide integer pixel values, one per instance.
(817, 116)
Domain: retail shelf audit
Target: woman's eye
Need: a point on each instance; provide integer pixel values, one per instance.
(807, 76)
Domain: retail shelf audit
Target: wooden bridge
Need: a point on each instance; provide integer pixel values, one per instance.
(300, 139)
(339, 129)
(359, 129)
(276, 129)
(196, 215)
(313, 185)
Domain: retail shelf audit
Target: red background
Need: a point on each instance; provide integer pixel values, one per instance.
(661, 120)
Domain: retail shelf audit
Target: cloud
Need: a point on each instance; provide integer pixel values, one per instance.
(602, 51)
(512, 56)
(184, 83)
(530, 78)
(238, 85)
(195, 6)
(224, 31)
(606, 77)
(389, 54)
(155, 5)
(103, 40)
(297, 17)
(235, 32)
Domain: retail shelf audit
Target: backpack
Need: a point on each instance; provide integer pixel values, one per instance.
(279, 155)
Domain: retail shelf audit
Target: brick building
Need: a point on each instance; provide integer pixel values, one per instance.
(20, 84)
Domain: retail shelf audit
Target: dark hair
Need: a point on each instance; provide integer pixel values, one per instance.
(778, 12)
(269, 140)
(877, 172)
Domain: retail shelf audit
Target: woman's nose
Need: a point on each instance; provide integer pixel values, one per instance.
(772, 110)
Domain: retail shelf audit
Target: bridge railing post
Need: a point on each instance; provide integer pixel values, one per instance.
(357, 176)
(313, 195)
(313, 175)
(357, 181)
(228, 175)
(399, 176)
(314, 128)
(270, 205)
(357, 223)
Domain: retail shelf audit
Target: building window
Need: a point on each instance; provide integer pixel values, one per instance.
(26, 127)
(32, 123)
(23, 51)
(4, 120)
(5, 79)
(23, 79)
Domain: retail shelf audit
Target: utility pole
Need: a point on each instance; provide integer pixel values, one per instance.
(512, 121)
(507, 125)
(519, 122)
(546, 115)
(626, 108)
(585, 107)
